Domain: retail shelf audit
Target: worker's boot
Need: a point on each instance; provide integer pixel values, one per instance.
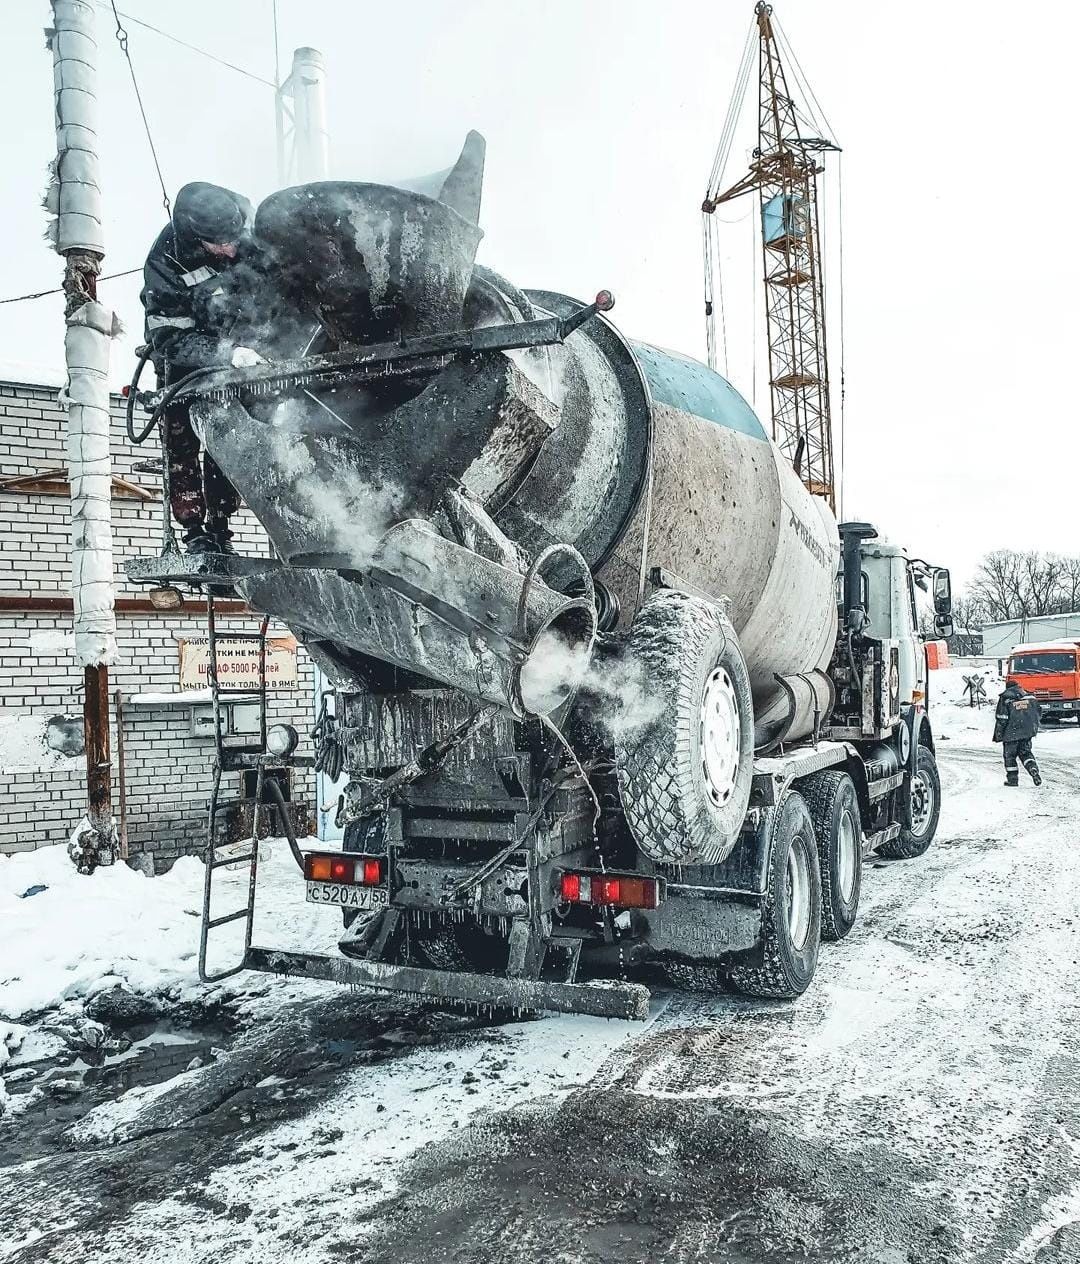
(1012, 778)
(1033, 768)
(221, 537)
(197, 542)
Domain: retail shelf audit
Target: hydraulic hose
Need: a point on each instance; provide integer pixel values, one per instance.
(167, 397)
(271, 784)
(133, 391)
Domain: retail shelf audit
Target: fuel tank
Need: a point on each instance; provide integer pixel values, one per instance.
(644, 461)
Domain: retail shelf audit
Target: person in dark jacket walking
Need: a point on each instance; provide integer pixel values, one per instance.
(1015, 724)
(191, 295)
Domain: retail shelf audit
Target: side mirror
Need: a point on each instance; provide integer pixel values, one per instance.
(942, 592)
(944, 625)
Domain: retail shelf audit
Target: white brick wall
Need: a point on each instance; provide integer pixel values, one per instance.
(168, 772)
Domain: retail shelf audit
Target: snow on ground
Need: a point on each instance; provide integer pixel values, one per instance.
(955, 720)
(81, 936)
(294, 1187)
(935, 1055)
(85, 934)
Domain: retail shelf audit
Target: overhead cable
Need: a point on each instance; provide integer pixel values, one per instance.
(23, 298)
(194, 48)
(122, 40)
(811, 101)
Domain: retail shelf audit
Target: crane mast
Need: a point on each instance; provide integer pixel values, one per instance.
(784, 172)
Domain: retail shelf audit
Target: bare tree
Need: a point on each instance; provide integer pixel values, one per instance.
(1013, 585)
(967, 626)
(996, 586)
(1041, 575)
(1070, 585)
(967, 615)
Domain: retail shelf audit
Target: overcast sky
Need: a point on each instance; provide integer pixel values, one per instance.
(601, 118)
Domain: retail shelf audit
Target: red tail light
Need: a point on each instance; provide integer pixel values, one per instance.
(571, 887)
(344, 867)
(623, 890)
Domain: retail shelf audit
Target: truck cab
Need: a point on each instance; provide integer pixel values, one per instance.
(1051, 672)
(889, 591)
(889, 612)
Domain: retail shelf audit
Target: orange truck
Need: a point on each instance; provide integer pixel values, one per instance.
(1050, 671)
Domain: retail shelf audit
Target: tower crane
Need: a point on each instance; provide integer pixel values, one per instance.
(784, 171)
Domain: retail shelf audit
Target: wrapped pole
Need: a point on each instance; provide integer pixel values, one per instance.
(75, 231)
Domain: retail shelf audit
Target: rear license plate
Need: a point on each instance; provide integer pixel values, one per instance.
(342, 895)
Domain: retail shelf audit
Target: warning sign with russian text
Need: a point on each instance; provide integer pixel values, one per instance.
(238, 663)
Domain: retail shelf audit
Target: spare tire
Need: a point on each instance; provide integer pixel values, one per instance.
(685, 769)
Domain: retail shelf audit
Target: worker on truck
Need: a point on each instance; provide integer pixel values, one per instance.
(192, 282)
(1015, 724)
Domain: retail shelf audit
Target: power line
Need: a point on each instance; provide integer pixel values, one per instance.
(191, 47)
(122, 40)
(23, 298)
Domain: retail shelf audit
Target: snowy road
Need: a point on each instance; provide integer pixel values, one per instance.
(921, 1103)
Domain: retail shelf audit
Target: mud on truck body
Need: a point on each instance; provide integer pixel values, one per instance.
(611, 689)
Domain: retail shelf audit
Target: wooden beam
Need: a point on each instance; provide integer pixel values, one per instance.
(55, 483)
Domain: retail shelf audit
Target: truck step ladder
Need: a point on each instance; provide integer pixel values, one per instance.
(226, 760)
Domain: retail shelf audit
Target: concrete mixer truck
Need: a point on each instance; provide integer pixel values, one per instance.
(612, 692)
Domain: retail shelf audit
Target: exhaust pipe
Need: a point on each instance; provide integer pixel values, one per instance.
(434, 607)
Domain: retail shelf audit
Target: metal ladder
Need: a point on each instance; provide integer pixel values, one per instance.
(231, 759)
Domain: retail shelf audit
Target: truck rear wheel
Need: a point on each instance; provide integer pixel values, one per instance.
(791, 914)
(685, 770)
(925, 810)
(834, 809)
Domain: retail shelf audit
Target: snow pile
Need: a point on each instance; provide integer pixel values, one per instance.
(23, 747)
(178, 698)
(82, 935)
(26, 373)
(951, 712)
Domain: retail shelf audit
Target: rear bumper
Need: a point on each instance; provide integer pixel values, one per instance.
(1058, 706)
(603, 999)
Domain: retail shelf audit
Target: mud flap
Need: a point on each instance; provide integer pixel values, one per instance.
(602, 999)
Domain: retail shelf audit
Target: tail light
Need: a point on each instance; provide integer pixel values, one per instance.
(620, 890)
(362, 871)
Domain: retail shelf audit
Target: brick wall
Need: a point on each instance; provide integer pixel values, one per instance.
(168, 772)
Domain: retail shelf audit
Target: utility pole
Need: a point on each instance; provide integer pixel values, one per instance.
(75, 230)
(301, 101)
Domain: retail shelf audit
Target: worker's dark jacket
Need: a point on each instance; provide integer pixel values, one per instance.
(191, 297)
(1017, 717)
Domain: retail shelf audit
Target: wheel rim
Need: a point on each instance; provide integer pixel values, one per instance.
(720, 737)
(922, 803)
(847, 848)
(798, 892)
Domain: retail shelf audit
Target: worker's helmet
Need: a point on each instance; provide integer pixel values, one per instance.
(208, 213)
